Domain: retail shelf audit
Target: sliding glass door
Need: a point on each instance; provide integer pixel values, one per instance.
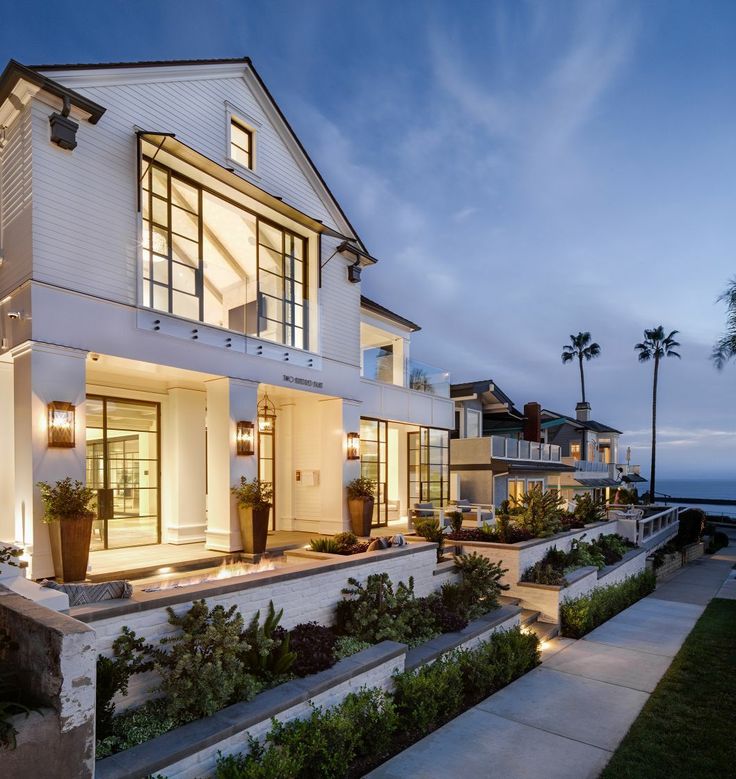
(429, 466)
(123, 443)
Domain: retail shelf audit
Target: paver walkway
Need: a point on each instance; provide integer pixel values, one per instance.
(566, 717)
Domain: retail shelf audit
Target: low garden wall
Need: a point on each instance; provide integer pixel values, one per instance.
(54, 663)
(191, 751)
(675, 560)
(307, 591)
(547, 598)
(523, 554)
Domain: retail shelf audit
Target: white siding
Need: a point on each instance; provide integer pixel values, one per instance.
(85, 209)
(16, 204)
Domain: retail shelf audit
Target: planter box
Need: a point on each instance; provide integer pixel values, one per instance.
(520, 556)
(547, 598)
(671, 563)
(191, 751)
(693, 551)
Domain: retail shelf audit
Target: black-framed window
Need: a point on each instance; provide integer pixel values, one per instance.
(241, 144)
(429, 466)
(207, 258)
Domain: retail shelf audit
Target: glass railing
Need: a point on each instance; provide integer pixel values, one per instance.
(427, 378)
(514, 449)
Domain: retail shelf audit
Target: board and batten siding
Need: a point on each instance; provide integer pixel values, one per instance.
(16, 199)
(85, 202)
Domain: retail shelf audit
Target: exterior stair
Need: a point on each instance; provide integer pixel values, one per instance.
(529, 620)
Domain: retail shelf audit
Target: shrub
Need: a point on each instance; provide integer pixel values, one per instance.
(328, 545)
(429, 528)
(717, 541)
(374, 612)
(480, 583)
(589, 510)
(429, 696)
(204, 669)
(538, 512)
(456, 520)
(255, 494)
(690, 530)
(345, 646)
(267, 654)
(314, 648)
(134, 727)
(67, 499)
(361, 488)
(345, 540)
(579, 616)
(113, 676)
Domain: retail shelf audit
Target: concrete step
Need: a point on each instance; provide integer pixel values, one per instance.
(545, 630)
(528, 617)
(504, 600)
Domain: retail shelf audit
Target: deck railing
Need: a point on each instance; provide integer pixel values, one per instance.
(513, 449)
(657, 521)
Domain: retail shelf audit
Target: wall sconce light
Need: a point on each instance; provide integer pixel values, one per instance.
(61, 424)
(353, 446)
(244, 438)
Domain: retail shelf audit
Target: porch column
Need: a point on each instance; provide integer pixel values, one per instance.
(8, 530)
(228, 401)
(338, 417)
(185, 460)
(43, 373)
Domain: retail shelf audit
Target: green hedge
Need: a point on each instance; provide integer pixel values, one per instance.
(371, 725)
(579, 616)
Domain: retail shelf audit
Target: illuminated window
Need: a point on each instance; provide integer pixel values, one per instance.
(575, 451)
(241, 144)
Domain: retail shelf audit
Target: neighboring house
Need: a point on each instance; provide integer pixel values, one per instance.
(178, 279)
(498, 451)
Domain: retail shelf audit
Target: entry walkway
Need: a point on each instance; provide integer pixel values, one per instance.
(566, 717)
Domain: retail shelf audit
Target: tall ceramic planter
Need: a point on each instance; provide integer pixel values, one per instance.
(70, 539)
(361, 515)
(253, 528)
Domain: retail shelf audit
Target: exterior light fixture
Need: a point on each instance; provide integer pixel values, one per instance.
(353, 446)
(244, 435)
(354, 272)
(61, 424)
(64, 129)
(266, 415)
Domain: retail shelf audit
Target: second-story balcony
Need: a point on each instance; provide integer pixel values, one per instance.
(513, 449)
(381, 365)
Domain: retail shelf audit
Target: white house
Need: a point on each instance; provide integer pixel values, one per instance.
(179, 285)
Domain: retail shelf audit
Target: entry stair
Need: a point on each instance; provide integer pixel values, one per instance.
(529, 620)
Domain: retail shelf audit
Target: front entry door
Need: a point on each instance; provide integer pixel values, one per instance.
(123, 467)
(374, 465)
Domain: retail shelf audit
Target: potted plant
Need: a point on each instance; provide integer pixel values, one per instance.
(360, 505)
(68, 514)
(254, 505)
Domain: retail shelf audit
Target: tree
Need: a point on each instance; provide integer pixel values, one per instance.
(581, 348)
(725, 347)
(656, 346)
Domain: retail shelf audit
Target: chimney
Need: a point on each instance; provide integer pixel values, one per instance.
(582, 412)
(532, 422)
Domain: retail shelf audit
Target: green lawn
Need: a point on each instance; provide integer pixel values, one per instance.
(688, 727)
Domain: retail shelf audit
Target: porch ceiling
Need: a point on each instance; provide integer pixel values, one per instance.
(104, 369)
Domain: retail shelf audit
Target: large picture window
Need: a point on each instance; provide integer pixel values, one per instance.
(209, 259)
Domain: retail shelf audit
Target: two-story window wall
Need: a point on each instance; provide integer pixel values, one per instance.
(210, 259)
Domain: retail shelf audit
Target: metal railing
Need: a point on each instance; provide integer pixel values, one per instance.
(513, 449)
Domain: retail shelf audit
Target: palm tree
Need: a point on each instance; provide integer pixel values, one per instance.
(725, 347)
(656, 346)
(580, 347)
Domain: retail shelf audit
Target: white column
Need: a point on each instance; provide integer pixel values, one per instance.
(338, 417)
(185, 461)
(43, 373)
(8, 530)
(228, 401)
(284, 466)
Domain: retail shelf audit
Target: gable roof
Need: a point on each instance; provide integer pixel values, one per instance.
(591, 424)
(247, 63)
(377, 308)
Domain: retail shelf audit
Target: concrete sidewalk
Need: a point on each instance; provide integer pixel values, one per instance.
(566, 717)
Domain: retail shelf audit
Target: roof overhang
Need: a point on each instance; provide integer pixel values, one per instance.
(167, 149)
(598, 482)
(376, 308)
(18, 84)
(632, 478)
(349, 249)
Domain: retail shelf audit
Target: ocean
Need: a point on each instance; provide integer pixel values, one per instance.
(699, 488)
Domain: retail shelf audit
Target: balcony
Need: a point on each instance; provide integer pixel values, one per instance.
(512, 449)
(382, 365)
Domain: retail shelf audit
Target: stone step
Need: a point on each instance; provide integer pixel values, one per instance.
(545, 630)
(528, 617)
(505, 600)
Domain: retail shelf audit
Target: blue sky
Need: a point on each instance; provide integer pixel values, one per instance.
(524, 170)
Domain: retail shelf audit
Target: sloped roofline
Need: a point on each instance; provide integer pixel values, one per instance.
(224, 61)
(377, 308)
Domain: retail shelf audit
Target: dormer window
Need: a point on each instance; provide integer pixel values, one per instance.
(241, 144)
